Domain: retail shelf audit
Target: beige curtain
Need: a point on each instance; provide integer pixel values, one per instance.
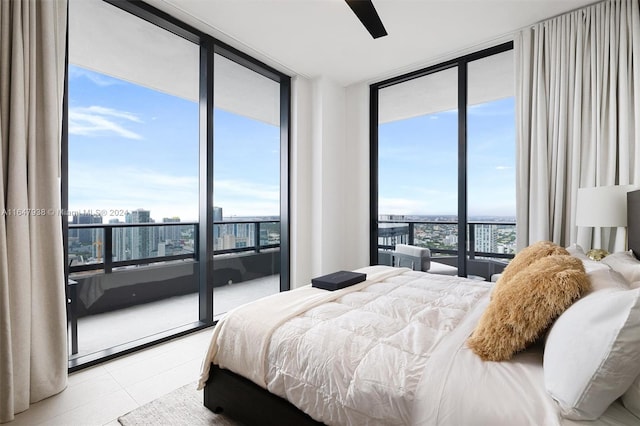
(33, 348)
(577, 102)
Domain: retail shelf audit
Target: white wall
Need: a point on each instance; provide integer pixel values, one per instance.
(329, 178)
(358, 154)
(300, 177)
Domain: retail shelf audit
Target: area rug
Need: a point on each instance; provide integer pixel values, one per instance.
(183, 406)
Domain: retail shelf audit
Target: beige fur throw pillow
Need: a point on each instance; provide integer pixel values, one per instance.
(525, 258)
(523, 310)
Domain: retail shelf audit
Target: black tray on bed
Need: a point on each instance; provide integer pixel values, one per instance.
(338, 280)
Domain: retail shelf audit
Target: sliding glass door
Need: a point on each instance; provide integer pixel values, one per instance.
(417, 165)
(442, 163)
(132, 178)
(175, 179)
(246, 194)
(491, 154)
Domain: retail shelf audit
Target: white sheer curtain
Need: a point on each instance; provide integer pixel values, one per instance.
(33, 345)
(578, 99)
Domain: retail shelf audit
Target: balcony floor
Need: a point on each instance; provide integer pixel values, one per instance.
(109, 329)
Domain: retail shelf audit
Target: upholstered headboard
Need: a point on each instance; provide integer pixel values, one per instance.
(633, 222)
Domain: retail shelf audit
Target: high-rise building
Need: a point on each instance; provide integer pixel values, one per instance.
(144, 239)
(390, 234)
(136, 242)
(451, 240)
(92, 237)
(171, 233)
(217, 232)
(120, 245)
(486, 238)
(86, 236)
(217, 214)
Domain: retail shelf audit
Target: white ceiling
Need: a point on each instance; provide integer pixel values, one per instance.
(324, 38)
(144, 54)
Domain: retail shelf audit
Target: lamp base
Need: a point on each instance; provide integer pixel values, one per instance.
(597, 254)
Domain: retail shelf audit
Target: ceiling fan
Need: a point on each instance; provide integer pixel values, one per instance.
(366, 12)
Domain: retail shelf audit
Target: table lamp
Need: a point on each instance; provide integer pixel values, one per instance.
(602, 207)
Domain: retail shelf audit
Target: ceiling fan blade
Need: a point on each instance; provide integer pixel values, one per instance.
(366, 12)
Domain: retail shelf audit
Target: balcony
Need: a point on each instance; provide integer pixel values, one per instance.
(111, 328)
(490, 245)
(129, 281)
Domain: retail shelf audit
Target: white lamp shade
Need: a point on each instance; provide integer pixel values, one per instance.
(603, 206)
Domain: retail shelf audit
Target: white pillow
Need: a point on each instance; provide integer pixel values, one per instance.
(592, 353)
(603, 277)
(625, 263)
(631, 398)
(599, 274)
(576, 250)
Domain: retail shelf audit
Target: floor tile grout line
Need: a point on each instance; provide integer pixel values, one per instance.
(132, 397)
(49, 419)
(102, 371)
(173, 367)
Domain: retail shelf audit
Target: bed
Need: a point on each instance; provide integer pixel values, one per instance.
(393, 350)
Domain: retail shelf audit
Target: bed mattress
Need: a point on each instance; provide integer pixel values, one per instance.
(388, 351)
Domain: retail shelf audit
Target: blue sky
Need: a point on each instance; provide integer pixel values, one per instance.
(132, 147)
(418, 162)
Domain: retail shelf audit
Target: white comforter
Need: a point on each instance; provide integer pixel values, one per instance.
(388, 351)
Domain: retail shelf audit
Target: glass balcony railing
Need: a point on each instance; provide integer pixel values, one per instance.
(104, 247)
(492, 240)
(121, 266)
(245, 235)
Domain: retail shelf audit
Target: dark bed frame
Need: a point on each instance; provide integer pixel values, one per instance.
(242, 400)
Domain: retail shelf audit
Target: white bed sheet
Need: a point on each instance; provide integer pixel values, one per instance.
(473, 392)
(453, 386)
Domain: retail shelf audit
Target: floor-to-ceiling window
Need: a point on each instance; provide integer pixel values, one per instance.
(246, 186)
(417, 163)
(491, 154)
(175, 178)
(443, 156)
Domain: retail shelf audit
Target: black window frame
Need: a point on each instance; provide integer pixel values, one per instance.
(461, 63)
(208, 46)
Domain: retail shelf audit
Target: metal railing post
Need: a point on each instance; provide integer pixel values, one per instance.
(108, 249)
(411, 235)
(196, 240)
(257, 236)
(472, 240)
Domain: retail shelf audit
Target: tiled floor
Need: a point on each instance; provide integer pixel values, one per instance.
(102, 331)
(99, 395)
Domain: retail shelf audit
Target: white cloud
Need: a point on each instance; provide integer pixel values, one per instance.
(504, 167)
(488, 109)
(97, 120)
(422, 206)
(110, 112)
(164, 194)
(126, 188)
(247, 190)
(96, 78)
(243, 198)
